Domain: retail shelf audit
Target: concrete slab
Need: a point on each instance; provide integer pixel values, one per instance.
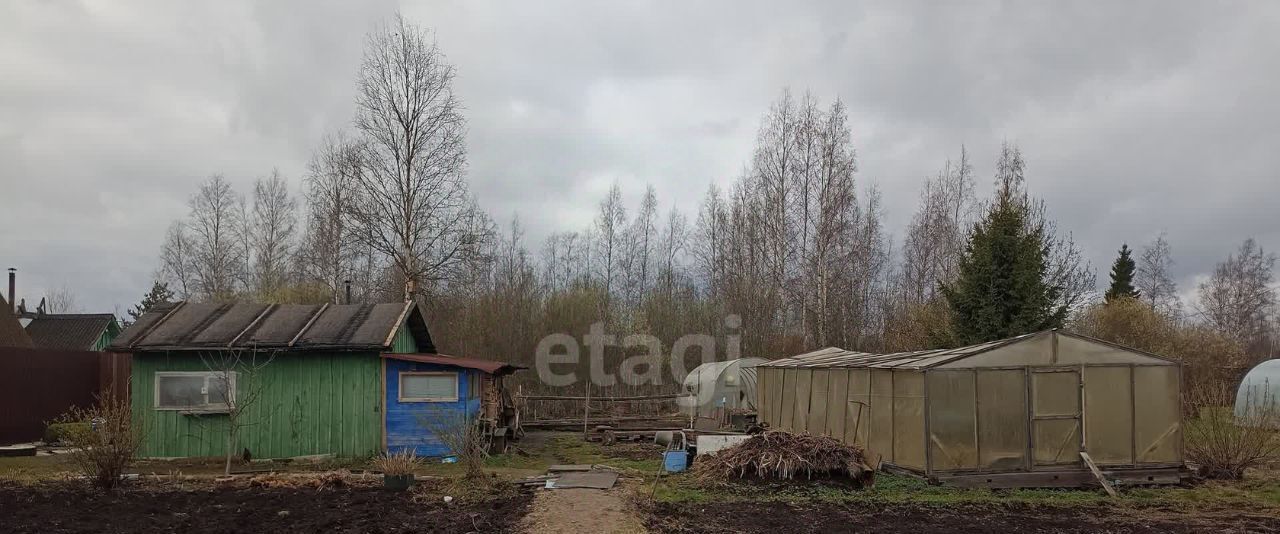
(590, 479)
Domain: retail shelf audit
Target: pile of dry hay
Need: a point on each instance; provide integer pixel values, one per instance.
(319, 481)
(783, 455)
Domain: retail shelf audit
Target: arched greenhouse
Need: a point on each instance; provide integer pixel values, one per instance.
(720, 388)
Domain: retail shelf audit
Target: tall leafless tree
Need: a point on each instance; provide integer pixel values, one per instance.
(214, 232)
(1238, 300)
(936, 236)
(334, 250)
(610, 234)
(1154, 281)
(61, 300)
(177, 260)
(415, 207)
(273, 223)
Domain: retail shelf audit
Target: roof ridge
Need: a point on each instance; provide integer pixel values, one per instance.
(75, 316)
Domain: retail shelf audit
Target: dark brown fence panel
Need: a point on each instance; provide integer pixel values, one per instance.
(114, 372)
(38, 385)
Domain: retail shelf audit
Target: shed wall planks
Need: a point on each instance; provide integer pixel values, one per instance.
(314, 403)
(414, 425)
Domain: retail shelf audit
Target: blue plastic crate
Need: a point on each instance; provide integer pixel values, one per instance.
(675, 461)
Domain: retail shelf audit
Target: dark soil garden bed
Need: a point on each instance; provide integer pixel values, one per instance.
(207, 507)
(775, 517)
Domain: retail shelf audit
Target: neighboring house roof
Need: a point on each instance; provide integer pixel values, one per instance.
(11, 332)
(488, 366)
(70, 331)
(245, 325)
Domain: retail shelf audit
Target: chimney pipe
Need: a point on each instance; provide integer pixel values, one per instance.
(13, 288)
(347, 283)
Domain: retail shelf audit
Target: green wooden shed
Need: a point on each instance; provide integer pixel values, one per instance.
(314, 372)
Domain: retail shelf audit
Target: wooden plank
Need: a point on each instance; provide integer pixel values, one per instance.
(604, 399)
(1063, 478)
(1106, 485)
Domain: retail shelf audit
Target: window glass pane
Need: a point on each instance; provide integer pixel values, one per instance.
(218, 390)
(429, 386)
(181, 391)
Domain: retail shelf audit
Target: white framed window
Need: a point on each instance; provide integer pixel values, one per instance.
(428, 386)
(205, 391)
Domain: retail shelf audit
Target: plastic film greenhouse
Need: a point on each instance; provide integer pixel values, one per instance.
(1017, 412)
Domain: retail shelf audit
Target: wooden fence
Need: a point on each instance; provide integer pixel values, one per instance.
(37, 385)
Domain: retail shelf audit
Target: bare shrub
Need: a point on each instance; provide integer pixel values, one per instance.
(396, 464)
(464, 436)
(107, 441)
(319, 481)
(1207, 357)
(1224, 437)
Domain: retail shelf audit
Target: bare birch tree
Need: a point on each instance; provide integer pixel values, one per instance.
(333, 250)
(214, 233)
(415, 207)
(1238, 300)
(61, 300)
(935, 238)
(1154, 281)
(273, 223)
(610, 234)
(177, 261)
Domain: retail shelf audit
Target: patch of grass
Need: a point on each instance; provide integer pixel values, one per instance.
(572, 449)
(33, 469)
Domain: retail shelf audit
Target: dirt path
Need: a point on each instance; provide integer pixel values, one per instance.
(581, 510)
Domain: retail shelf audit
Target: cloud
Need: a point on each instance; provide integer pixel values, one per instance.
(1135, 118)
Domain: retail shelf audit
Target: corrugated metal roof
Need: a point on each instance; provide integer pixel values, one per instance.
(920, 359)
(488, 366)
(194, 326)
(69, 331)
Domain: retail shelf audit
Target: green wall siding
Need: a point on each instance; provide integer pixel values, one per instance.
(311, 403)
(403, 342)
(103, 341)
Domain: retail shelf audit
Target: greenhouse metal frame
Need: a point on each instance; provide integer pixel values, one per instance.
(1016, 412)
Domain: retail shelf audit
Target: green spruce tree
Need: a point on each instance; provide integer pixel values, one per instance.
(1003, 288)
(1122, 276)
(159, 294)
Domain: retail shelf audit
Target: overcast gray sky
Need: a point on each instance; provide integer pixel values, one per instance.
(1134, 117)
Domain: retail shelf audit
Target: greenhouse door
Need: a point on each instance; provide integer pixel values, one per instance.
(1055, 417)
